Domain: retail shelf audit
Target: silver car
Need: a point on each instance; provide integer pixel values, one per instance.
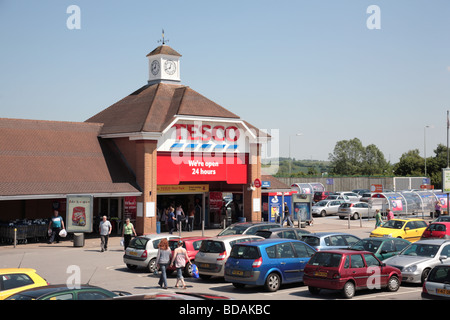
(214, 252)
(326, 207)
(417, 259)
(142, 251)
(330, 240)
(356, 210)
(437, 284)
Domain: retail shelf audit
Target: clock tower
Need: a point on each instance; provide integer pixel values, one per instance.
(164, 65)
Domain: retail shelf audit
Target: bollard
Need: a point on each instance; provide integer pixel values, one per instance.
(224, 223)
(15, 237)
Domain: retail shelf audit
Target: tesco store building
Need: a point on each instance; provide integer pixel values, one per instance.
(163, 145)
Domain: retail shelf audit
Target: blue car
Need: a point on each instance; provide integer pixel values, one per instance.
(267, 263)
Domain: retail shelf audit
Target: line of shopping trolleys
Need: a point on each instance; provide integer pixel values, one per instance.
(26, 231)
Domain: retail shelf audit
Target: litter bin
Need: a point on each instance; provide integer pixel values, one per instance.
(78, 239)
(158, 227)
(241, 219)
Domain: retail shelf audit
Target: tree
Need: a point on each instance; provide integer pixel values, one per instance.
(410, 164)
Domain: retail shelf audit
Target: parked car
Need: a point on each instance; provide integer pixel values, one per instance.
(360, 192)
(437, 284)
(192, 246)
(338, 197)
(283, 233)
(269, 263)
(330, 240)
(62, 292)
(355, 210)
(214, 252)
(417, 259)
(441, 219)
(409, 229)
(352, 196)
(248, 228)
(142, 251)
(321, 195)
(382, 248)
(172, 296)
(326, 207)
(348, 271)
(437, 230)
(13, 280)
(366, 197)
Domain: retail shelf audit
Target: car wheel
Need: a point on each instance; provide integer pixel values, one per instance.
(349, 290)
(152, 265)
(188, 269)
(238, 285)
(131, 266)
(323, 213)
(314, 290)
(393, 284)
(424, 275)
(273, 282)
(204, 276)
(355, 216)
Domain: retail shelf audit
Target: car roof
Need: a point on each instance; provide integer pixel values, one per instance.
(433, 241)
(251, 224)
(276, 229)
(55, 288)
(156, 236)
(325, 233)
(345, 251)
(193, 238)
(408, 219)
(447, 223)
(16, 270)
(269, 241)
(231, 237)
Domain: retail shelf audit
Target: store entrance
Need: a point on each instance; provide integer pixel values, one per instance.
(187, 202)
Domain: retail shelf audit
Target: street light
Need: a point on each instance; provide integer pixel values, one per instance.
(290, 160)
(425, 145)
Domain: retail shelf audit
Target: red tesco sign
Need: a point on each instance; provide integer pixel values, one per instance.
(257, 183)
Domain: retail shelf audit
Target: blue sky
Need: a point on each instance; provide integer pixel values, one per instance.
(297, 66)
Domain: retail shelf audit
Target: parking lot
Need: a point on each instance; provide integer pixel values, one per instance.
(60, 263)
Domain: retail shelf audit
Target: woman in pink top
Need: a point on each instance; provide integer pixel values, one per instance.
(390, 215)
(179, 257)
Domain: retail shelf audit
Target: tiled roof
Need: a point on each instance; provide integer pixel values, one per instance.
(52, 157)
(164, 49)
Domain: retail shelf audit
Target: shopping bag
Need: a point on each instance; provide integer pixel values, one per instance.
(194, 271)
(63, 233)
(121, 242)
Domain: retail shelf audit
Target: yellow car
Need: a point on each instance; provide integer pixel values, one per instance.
(408, 229)
(13, 280)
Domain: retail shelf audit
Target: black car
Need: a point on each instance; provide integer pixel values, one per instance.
(62, 292)
(283, 233)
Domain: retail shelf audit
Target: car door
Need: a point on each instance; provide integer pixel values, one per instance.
(387, 249)
(358, 270)
(335, 242)
(288, 262)
(334, 206)
(411, 232)
(375, 277)
(303, 254)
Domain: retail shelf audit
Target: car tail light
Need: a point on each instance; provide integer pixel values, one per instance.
(222, 256)
(144, 254)
(257, 263)
(424, 287)
(336, 276)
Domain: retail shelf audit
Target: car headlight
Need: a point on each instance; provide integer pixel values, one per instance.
(410, 268)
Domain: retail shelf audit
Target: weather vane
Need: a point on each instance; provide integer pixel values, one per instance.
(163, 40)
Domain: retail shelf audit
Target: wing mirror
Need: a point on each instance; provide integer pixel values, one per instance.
(443, 258)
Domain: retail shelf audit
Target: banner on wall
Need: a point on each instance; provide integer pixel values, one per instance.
(130, 208)
(79, 213)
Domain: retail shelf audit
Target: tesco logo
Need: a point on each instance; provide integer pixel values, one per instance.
(206, 132)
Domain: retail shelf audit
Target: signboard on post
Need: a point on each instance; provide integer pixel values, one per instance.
(79, 213)
(446, 180)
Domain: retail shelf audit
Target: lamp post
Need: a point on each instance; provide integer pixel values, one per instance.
(290, 160)
(425, 145)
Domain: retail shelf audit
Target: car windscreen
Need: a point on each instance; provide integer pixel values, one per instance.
(367, 245)
(211, 246)
(138, 243)
(326, 259)
(321, 204)
(233, 230)
(440, 274)
(394, 224)
(311, 240)
(421, 250)
(263, 233)
(346, 205)
(244, 252)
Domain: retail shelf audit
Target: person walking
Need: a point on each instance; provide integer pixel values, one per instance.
(179, 217)
(191, 216)
(55, 226)
(104, 229)
(378, 219)
(162, 261)
(438, 208)
(179, 257)
(390, 214)
(287, 215)
(127, 232)
(172, 220)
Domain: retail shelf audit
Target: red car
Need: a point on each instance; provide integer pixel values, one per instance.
(192, 245)
(321, 195)
(437, 230)
(348, 271)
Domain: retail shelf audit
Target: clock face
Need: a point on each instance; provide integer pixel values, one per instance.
(155, 67)
(170, 67)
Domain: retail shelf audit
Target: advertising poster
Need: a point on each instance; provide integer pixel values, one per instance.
(79, 213)
(275, 207)
(397, 205)
(130, 208)
(303, 209)
(446, 180)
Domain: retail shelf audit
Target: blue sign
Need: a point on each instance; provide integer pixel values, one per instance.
(265, 184)
(330, 181)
